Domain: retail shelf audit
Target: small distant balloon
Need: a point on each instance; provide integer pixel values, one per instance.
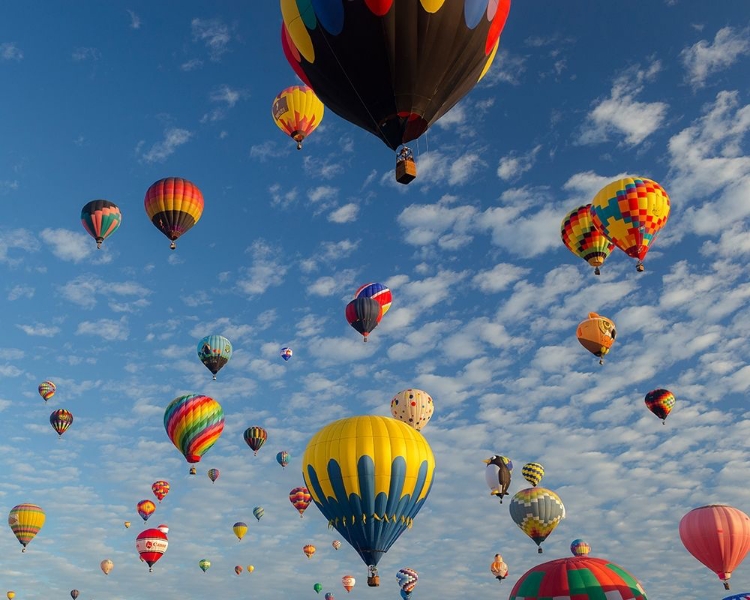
(127, 524)
(364, 314)
(348, 582)
(106, 566)
(533, 473)
(300, 498)
(238, 569)
(11, 594)
(74, 594)
(173, 205)
(47, 390)
(413, 407)
(160, 489)
(286, 353)
(283, 458)
(214, 351)
(309, 550)
(407, 579)
(163, 528)
(579, 547)
(498, 568)
(597, 334)
(336, 544)
(255, 437)
(204, 564)
(151, 545)
(145, 508)
(100, 219)
(250, 568)
(318, 588)
(258, 512)
(660, 402)
(60, 420)
(329, 596)
(25, 521)
(213, 474)
(240, 529)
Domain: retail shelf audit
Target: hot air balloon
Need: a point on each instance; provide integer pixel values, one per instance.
(498, 475)
(413, 407)
(194, 423)
(145, 508)
(213, 474)
(537, 511)
(318, 588)
(100, 219)
(533, 473)
(283, 458)
(240, 529)
(329, 596)
(25, 521)
(163, 528)
(370, 511)
(498, 568)
(238, 569)
(11, 594)
(745, 596)
(718, 536)
(631, 212)
(160, 489)
(286, 353)
(309, 550)
(376, 291)
(297, 111)
(60, 420)
(250, 568)
(300, 499)
(174, 205)
(214, 351)
(579, 547)
(336, 544)
(348, 582)
(151, 545)
(47, 390)
(106, 566)
(364, 314)
(258, 512)
(373, 64)
(660, 402)
(204, 564)
(255, 437)
(407, 579)
(579, 577)
(74, 594)
(597, 334)
(583, 239)
(127, 524)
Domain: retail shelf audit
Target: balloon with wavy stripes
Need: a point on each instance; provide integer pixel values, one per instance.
(194, 423)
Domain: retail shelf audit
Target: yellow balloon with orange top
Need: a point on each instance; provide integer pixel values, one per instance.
(297, 111)
(597, 334)
(369, 476)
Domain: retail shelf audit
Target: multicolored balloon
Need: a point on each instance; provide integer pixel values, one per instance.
(286, 353)
(631, 212)
(204, 564)
(240, 529)
(718, 536)
(213, 474)
(174, 205)
(255, 437)
(336, 544)
(579, 577)
(407, 579)
(309, 550)
(145, 508)
(194, 423)
(373, 66)
(348, 582)
(160, 489)
(214, 351)
(498, 568)
(660, 402)
(533, 473)
(258, 512)
(47, 390)
(100, 219)
(537, 511)
(364, 314)
(378, 292)
(413, 407)
(583, 239)
(60, 420)
(238, 569)
(597, 334)
(579, 547)
(25, 521)
(340, 465)
(300, 499)
(297, 111)
(283, 458)
(329, 596)
(151, 545)
(106, 566)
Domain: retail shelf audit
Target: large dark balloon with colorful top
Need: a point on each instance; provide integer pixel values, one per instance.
(60, 420)
(174, 205)
(100, 219)
(369, 476)
(364, 314)
(579, 577)
(392, 68)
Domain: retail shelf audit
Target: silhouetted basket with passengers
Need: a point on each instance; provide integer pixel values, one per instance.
(406, 170)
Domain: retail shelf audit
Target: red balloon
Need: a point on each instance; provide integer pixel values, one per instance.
(718, 536)
(151, 545)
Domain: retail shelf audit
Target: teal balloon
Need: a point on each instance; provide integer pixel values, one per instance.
(214, 351)
(258, 512)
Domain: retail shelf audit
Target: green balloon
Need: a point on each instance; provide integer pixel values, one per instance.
(317, 587)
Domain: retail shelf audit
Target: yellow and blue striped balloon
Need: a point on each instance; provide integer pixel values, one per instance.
(369, 476)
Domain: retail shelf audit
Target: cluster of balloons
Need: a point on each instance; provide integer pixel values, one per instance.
(371, 302)
(627, 213)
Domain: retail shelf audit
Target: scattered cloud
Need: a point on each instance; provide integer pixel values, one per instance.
(135, 20)
(9, 51)
(160, 151)
(82, 54)
(514, 165)
(266, 271)
(214, 33)
(21, 291)
(107, 329)
(704, 59)
(344, 214)
(40, 330)
(84, 289)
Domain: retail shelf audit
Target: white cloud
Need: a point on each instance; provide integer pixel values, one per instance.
(214, 34)
(266, 271)
(174, 137)
(40, 330)
(21, 291)
(68, 245)
(107, 329)
(703, 59)
(499, 278)
(81, 54)
(506, 68)
(429, 223)
(135, 20)
(16, 239)
(513, 165)
(84, 289)
(623, 117)
(344, 214)
(9, 51)
(192, 64)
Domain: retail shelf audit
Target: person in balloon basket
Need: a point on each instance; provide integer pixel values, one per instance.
(373, 579)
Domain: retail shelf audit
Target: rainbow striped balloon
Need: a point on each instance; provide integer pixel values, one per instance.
(25, 521)
(194, 424)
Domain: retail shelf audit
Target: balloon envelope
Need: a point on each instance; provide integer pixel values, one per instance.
(214, 351)
(378, 292)
(579, 547)
(413, 407)
(160, 489)
(369, 476)
(255, 437)
(363, 314)
(194, 423)
(297, 111)
(213, 474)
(283, 458)
(240, 529)
(60, 420)
(174, 205)
(660, 402)
(25, 521)
(106, 566)
(597, 334)
(582, 238)
(100, 219)
(300, 499)
(537, 511)
(47, 390)
(151, 545)
(286, 353)
(204, 564)
(407, 579)
(533, 473)
(145, 508)
(579, 577)
(258, 512)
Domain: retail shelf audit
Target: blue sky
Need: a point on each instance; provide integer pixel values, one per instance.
(104, 98)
